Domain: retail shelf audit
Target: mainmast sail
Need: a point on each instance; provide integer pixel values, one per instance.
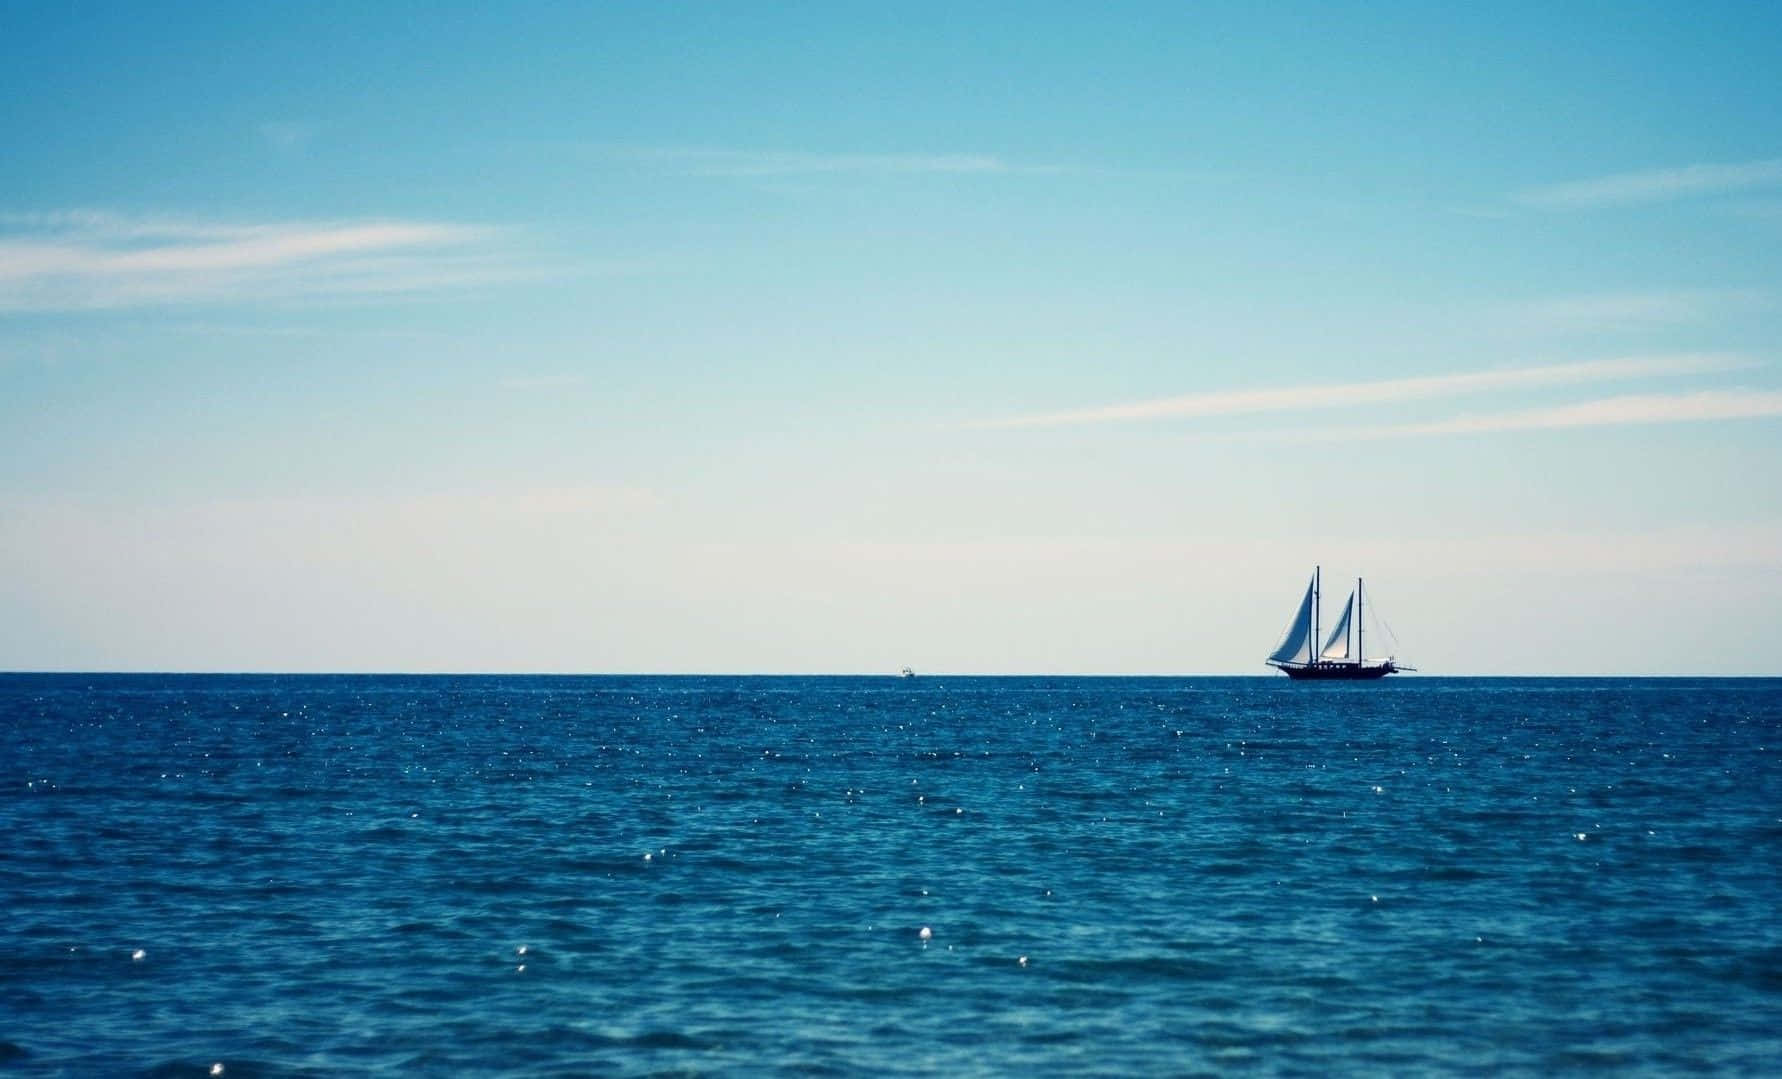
(1336, 646)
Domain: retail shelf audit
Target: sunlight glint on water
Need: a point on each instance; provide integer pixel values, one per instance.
(561, 875)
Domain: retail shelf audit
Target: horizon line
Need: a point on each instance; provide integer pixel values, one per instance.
(891, 675)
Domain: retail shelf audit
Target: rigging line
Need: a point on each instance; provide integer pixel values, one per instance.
(1389, 632)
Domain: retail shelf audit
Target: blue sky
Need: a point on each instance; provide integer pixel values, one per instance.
(1013, 338)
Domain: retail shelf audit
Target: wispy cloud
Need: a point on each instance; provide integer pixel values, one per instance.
(1627, 410)
(1654, 185)
(78, 260)
(1693, 407)
(1637, 310)
(706, 161)
(1351, 394)
(542, 382)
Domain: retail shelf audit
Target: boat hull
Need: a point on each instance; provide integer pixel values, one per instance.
(1338, 672)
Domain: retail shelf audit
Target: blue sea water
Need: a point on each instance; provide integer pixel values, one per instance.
(847, 876)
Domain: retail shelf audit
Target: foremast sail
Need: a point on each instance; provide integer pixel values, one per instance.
(1296, 645)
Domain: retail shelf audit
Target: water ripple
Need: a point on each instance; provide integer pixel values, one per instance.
(293, 876)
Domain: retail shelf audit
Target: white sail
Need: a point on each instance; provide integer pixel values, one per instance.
(1298, 638)
(1337, 645)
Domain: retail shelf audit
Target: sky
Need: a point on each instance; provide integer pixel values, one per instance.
(808, 338)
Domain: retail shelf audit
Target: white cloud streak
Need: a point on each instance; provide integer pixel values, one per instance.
(1347, 395)
(542, 382)
(1693, 407)
(84, 260)
(698, 161)
(1610, 311)
(1654, 185)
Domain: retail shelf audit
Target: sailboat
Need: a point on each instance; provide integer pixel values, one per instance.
(1343, 656)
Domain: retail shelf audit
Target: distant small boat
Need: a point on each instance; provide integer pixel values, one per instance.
(1344, 656)
(907, 673)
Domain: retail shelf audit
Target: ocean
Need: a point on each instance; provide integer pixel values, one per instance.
(564, 876)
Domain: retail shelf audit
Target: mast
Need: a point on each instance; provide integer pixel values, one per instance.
(1312, 649)
(1360, 656)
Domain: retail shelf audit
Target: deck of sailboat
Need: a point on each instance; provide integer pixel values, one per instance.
(1334, 672)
